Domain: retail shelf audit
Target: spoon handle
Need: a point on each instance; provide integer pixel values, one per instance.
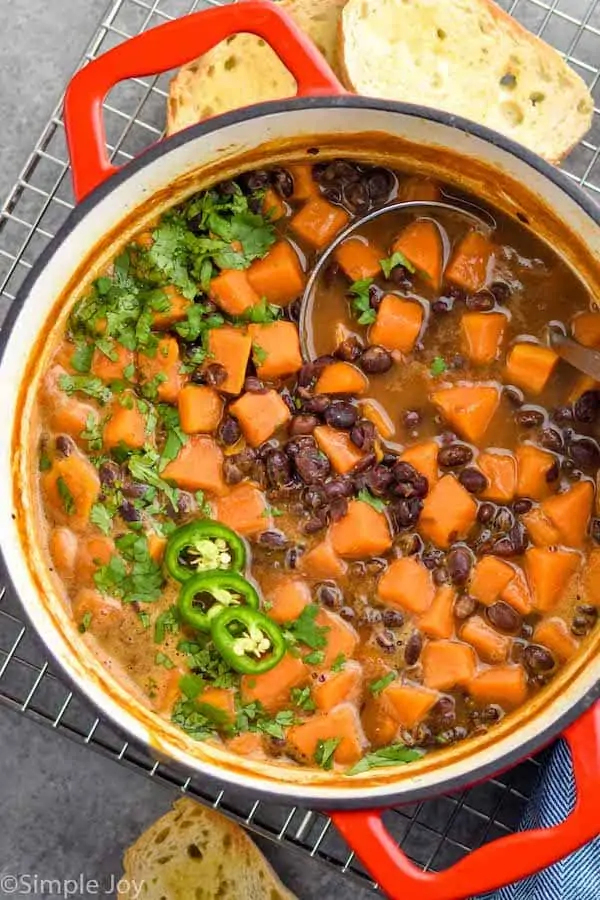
(583, 358)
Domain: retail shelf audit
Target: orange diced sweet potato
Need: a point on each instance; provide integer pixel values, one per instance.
(126, 425)
(361, 533)
(570, 512)
(490, 577)
(581, 386)
(157, 545)
(200, 408)
(287, 600)
(233, 292)
(379, 724)
(247, 743)
(144, 239)
(318, 222)
(105, 614)
(276, 349)
(586, 329)
(491, 646)
(63, 544)
(163, 369)
(342, 639)
(338, 687)
(530, 366)
(421, 244)
(222, 699)
(342, 722)
(244, 509)
(548, 573)
(322, 562)
(198, 466)
(165, 689)
(338, 448)
(557, 637)
(71, 487)
(177, 310)
(398, 323)
(447, 664)
(260, 415)
(423, 457)
(504, 685)
(304, 184)
(409, 704)
(92, 553)
(533, 465)
(500, 469)
(358, 259)
(407, 584)
(471, 262)
(230, 347)
(273, 206)
(112, 368)
(438, 621)
(278, 277)
(517, 594)
(540, 529)
(482, 336)
(448, 513)
(469, 409)
(341, 378)
(272, 689)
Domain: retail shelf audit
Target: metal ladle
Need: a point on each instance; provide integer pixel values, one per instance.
(582, 358)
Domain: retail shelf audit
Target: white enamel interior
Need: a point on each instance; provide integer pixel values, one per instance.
(46, 612)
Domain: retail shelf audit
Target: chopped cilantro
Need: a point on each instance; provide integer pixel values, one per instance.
(129, 372)
(315, 658)
(253, 717)
(101, 518)
(196, 725)
(45, 463)
(361, 302)
(144, 467)
(259, 355)
(325, 752)
(191, 685)
(367, 497)
(85, 384)
(161, 659)
(144, 619)
(167, 621)
(131, 574)
(150, 388)
(387, 756)
(86, 621)
(261, 313)
(306, 631)
(396, 259)
(204, 506)
(198, 323)
(170, 255)
(82, 357)
(438, 366)
(65, 495)
(93, 432)
(301, 697)
(339, 662)
(376, 687)
(205, 660)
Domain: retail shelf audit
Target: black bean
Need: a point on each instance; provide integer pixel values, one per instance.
(379, 480)
(128, 512)
(486, 513)
(386, 640)
(134, 489)
(464, 606)
(278, 468)
(480, 302)
(312, 466)
(341, 414)
(584, 453)
(232, 472)
(380, 183)
(439, 307)
(274, 540)
(522, 506)
(514, 396)
(529, 418)
(256, 180)
(433, 559)
(551, 439)
(408, 544)
(473, 480)
(393, 618)
(405, 513)
(314, 497)
(338, 487)
(537, 659)
(215, 374)
(459, 562)
(408, 489)
(302, 424)
(338, 509)
(307, 374)
(562, 414)
(553, 473)
(411, 418)
(504, 519)
(454, 455)
(329, 595)
(595, 530)
(443, 713)
(363, 435)
(513, 544)
(254, 385)
(404, 471)
(300, 444)
(64, 445)
(282, 182)
(109, 473)
(376, 360)
(440, 576)
(315, 523)
(388, 459)
(400, 277)
(580, 625)
(347, 613)
(364, 464)
(316, 405)
(339, 171)
(504, 617)
(356, 196)
(332, 192)
(229, 431)
(292, 556)
(412, 649)
(292, 310)
(263, 450)
(585, 409)
(501, 291)
(350, 349)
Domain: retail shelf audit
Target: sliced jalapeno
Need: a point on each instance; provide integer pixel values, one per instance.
(204, 546)
(248, 641)
(204, 596)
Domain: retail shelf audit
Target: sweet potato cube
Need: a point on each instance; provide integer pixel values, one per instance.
(438, 621)
(447, 664)
(342, 722)
(448, 513)
(421, 244)
(469, 408)
(200, 408)
(557, 637)
(379, 724)
(233, 292)
(407, 584)
(221, 699)
(244, 509)
(322, 562)
(276, 350)
(540, 529)
(338, 448)
(471, 263)
(247, 743)
(177, 310)
(517, 594)
(112, 367)
(304, 184)
(278, 276)
(338, 687)
(71, 487)
(409, 704)
(162, 368)
(341, 378)
(198, 466)
(500, 469)
(490, 576)
(342, 639)
(482, 336)
(533, 465)
(548, 573)
(570, 512)
(358, 258)
(287, 600)
(230, 347)
(272, 689)
(126, 426)
(530, 366)
(361, 533)
(260, 415)
(586, 329)
(581, 385)
(398, 324)
(273, 206)
(504, 685)
(70, 416)
(318, 222)
(491, 646)
(423, 457)
(63, 545)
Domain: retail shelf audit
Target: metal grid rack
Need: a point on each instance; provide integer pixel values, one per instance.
(435, 833)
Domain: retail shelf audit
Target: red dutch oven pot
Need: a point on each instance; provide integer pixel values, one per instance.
(325, 118)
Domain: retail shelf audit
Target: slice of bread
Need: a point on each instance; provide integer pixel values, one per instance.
(470, 58)
(243, 69)
(195, 852)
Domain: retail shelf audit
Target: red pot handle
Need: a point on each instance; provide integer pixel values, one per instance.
(167, 47)
(501, 861)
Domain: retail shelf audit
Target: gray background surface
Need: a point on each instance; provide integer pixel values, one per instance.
(64, 810)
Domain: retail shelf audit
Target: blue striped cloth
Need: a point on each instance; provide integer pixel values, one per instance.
(577, 877)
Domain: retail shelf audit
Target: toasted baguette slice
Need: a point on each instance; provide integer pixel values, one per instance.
(243, 69)
(470, 58)
(196, 852)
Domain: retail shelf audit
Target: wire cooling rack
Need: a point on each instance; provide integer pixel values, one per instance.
(435, 833)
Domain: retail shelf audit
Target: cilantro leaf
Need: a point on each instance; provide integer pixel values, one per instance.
(85, 384)
(339, 662)
(301, 697)
(393, 755)
(275, 726)
(396, 259)
(261, 313)
(259, 355)
(306, 631)
(65, 495)
(315, 658)
(170, 255)
(167, 621)
(101, 518)
(196, 725)
(93, 432)
(86, 621)
(191, 685)
(438, 366)
(367, 497)
(132, 575)
(205, 660)
(144, 467)
(161, 659)
(82, 357)
(376, 687)
(45, 463)
(325, 752)
(360, 301)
